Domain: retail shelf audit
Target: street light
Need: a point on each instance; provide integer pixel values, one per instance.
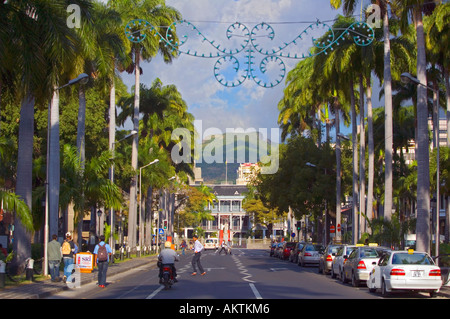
(113, 145)
(83, 78)
(141, 226)
(407, 78)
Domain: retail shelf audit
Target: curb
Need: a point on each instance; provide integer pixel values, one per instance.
(46, 288)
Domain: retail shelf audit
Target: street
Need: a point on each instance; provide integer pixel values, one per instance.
(245, 275)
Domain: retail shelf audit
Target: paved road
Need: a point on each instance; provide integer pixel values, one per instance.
(244, 275)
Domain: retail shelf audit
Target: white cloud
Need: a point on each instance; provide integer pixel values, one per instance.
(248, 105)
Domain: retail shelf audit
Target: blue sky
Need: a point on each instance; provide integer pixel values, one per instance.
(248, 105)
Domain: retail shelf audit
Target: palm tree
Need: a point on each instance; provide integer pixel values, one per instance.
(41, 46)
(407, 10)
(160, 16)
(87, 183)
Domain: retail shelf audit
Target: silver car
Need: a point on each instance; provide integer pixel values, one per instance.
(310, 254)
(359, 264)
(337, 266)
(326, 259)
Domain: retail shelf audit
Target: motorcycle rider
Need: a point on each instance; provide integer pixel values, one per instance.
(168, 256)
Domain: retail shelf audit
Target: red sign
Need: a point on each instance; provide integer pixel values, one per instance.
(339, 228)
(332, 228)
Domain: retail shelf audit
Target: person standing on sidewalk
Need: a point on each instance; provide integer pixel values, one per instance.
(54, 258)
(198, 248)
(68, 249)
(101, 254)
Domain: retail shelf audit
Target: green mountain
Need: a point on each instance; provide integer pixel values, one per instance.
(223, 154)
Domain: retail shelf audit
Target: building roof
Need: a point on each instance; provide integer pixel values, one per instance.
(229, 190)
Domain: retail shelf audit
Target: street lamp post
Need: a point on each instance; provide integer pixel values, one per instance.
(83, 78)
(141, 226)
(113, 145)
(408, 78)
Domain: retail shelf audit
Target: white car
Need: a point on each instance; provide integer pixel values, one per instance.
(405, 270)
(211, 243)
(337, 266)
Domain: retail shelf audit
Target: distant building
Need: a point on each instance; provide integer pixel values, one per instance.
(246, 172)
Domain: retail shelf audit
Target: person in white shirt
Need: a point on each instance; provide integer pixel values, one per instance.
(198, 247)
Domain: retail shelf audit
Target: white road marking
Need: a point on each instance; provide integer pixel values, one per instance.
(255, 291)
(153, 294)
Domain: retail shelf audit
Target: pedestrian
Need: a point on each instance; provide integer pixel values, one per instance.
(198, 247)
(54, 256)
(183, 247)
(102, 251)
(3, 251)
(223, 248)
(68, 250)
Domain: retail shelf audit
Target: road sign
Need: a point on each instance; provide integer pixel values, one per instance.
(293, 235)
(332, 229)
(339, 227)
(161, 231)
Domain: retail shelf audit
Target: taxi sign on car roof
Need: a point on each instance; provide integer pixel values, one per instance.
(410, 251)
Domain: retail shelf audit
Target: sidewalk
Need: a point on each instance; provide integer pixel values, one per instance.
(45, 288)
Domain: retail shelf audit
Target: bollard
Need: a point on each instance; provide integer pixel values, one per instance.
(29, 270)
(121, 253)
(2, 273)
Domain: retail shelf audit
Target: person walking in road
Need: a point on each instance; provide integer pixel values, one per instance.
(68, 250)
(224, 248)
(198, 248)
(102, 251)
(54, 258)
(183, 247)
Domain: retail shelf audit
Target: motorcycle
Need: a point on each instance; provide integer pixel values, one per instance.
(167, 276)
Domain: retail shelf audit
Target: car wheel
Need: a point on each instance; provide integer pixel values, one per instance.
(432, 293)
(372, 290)
(355, 282)
(384, 291)
(320, 270)
(332, 274)
(343, 279)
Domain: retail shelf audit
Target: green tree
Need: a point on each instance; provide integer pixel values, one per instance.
(160, 16)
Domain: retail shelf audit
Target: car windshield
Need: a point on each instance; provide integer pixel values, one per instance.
(368, 253)
(209, 241)
(411, 259)
(313, 247)
(333, 249)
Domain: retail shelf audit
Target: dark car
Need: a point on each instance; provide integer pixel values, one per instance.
(326, 259)
(286, 249)
(273, 246)
(294, 253)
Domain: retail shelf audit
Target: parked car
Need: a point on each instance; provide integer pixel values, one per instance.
(297, 250)
(310, 254)
(326, 259)
(337, 266)
(359, 264)
(405, 270)
(273, 246)
(277, 251)
(286, 249)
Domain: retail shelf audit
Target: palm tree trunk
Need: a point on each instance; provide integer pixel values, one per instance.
(371, 172)
(388, 124)
(22, 237)
(132, 218)
(112, 139)
(338, 176)
(362, 159)
(355, 165)
(54, 164)
(423, 170)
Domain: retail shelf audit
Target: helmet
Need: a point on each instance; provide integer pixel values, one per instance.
(68, 234)
(167, 244)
